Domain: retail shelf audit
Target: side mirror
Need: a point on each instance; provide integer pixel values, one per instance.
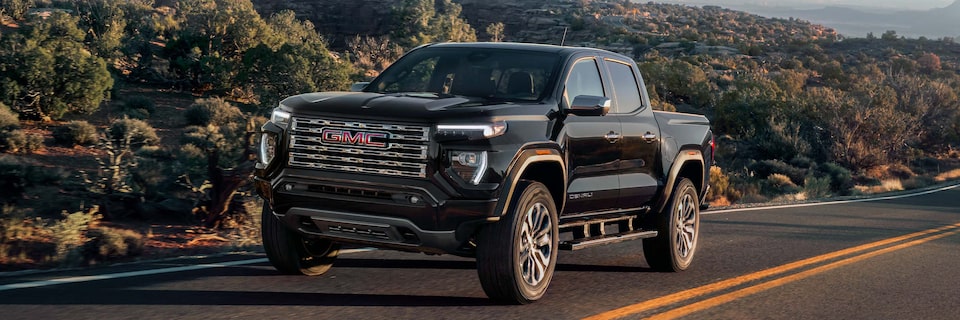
(359, 86)
(589, 106)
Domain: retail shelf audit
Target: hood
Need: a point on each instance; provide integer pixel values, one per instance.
(408, 106)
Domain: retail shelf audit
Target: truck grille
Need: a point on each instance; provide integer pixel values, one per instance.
(361, 147)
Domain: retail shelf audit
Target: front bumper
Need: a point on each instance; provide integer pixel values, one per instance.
(403, 214)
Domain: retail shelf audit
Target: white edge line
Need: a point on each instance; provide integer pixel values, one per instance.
(52, 282)
(910, 195)
(59, 281)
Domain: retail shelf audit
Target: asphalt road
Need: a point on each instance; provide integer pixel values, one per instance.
(889, 259)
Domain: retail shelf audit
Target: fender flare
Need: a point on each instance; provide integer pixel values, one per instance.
(685, 157)
(519, 166)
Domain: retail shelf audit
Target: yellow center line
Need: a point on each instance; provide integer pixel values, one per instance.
(733, 282)
(725, 298)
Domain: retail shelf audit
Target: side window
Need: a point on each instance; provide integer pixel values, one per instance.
(626, 89)
(584, 79)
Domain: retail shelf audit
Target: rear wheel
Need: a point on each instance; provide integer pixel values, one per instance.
(291, 253)
(516, 256)
(678, 231)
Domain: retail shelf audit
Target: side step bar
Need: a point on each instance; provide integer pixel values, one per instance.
(592, 231)
(577, 244)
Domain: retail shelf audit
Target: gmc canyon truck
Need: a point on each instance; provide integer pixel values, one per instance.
(504, 152)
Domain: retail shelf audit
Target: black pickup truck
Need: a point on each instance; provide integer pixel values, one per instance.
(501, 151)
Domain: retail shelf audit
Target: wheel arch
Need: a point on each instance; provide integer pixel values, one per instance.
(689, 164)
(544, 165)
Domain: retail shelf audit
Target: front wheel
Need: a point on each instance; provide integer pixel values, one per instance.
(678, 229)
(291, 253)
(516, 256)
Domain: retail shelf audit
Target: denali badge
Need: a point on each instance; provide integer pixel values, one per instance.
(356, 138)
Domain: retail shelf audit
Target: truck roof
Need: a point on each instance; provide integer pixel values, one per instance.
(561, 50)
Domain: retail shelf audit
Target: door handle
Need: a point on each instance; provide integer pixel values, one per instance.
(613, 137)
(650, 137)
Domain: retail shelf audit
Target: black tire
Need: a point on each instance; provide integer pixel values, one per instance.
(672, 250)
(517, 255)
(291, 253)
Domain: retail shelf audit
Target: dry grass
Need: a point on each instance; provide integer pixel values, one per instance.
(949, 175)
(886, 185)
(799, 196)
(721, 201)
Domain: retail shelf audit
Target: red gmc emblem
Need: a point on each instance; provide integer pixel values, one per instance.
(356, 138)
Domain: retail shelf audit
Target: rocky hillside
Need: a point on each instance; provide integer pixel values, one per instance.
(605, 24)
(524, 20)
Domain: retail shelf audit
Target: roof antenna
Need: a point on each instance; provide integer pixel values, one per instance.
(564, 36)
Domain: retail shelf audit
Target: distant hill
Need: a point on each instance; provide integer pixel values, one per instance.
(857, 22)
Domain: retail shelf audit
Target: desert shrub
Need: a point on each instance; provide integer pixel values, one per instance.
(111, 243)
(11, 141)
(841, 180)
(8, 119)
(893, 171)
(766, 168)
(13, 175)
(816, 188)
(18, 141)
(17, 174)
(802, 162)
(918, 182)
(927, 164)
(777, 184)
(139, 103)
(721, 188)
(133, 133)
(77, 132)
(204, 112)
(900, 171)
(139, 114)
(69, 235)
(152, 176)
(247, 234)
(15, 225)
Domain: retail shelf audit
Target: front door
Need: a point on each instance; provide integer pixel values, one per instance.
(592, 145)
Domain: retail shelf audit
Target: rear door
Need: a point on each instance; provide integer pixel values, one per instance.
(641, 135)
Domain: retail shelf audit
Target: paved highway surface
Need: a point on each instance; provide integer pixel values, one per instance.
(889, 259)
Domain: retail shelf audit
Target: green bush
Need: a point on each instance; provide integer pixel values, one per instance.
(77, 132)
(139, 114)
(139, 102)
(213, 110)
(841, 180)
(136, 133)
(138, 107)
(8, 119)
(802, 162)
(816, 188)
(152, 176)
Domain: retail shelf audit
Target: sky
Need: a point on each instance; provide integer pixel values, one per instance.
(896, 4)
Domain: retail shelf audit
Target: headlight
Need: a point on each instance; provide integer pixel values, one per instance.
(470, 131)
(268, 148)
(469, 165)
(280, 118)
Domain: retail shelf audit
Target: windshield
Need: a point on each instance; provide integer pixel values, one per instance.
(500, 74)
